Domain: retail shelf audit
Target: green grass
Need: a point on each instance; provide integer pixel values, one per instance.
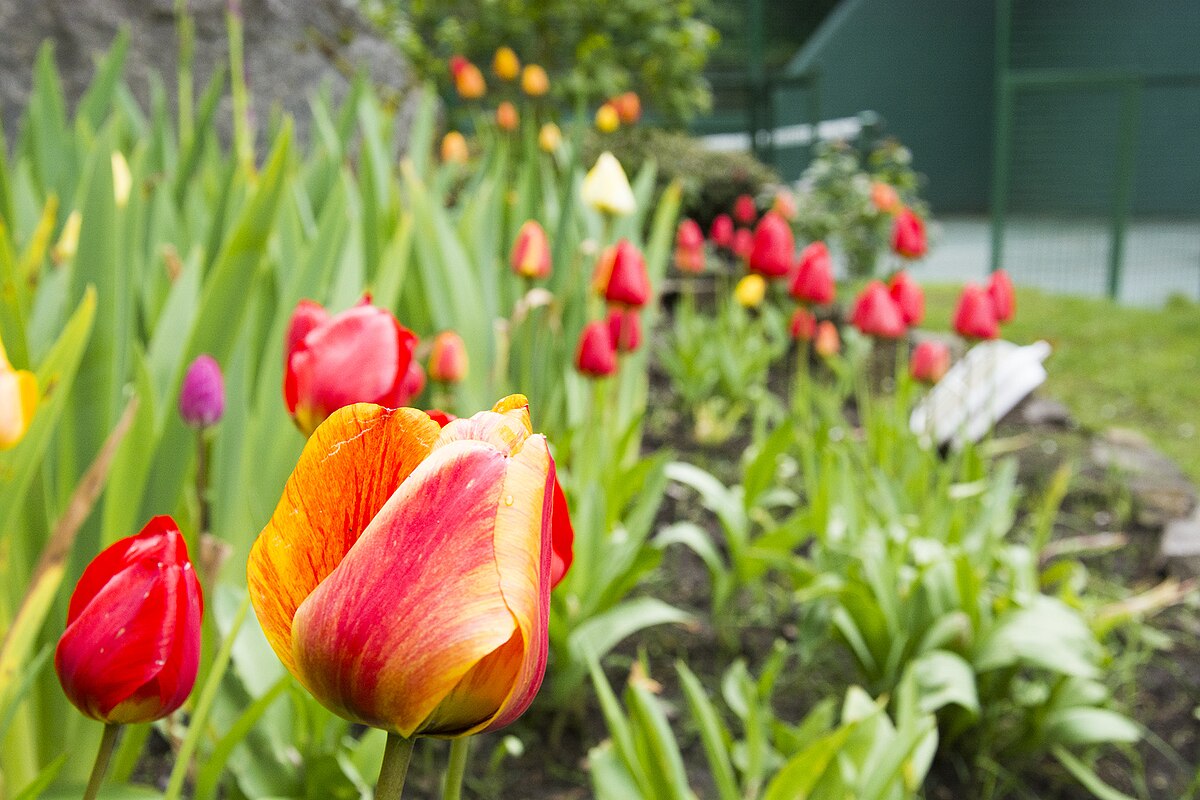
(1112, 365)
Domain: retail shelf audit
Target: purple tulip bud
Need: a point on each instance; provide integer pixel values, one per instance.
(202, 396)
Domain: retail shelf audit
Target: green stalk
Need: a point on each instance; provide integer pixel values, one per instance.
(187, 37)
(242, 135)
(107, 742)
(456, 767)
(396, 755)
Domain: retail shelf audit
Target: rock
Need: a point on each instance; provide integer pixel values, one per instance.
(291, 48)
(1180, 546)
(1044, 412)
(1160, 491)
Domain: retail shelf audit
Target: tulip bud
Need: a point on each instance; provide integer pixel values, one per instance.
(411, 385)
(908, 234)
(505, 64)
(908, 295)
(18, 401)
(606, 189)
(930, 361)
(628, 107)
(721, 232)
(1004, 299)
(468, 80)
(131, 649)
(454, 148)
(803, 326)
(122, 179)
(827, 342)
(689, 247)
(448, 359)
(744, 209)
(884, 197)
(975, 316)
(812, 282)
(202, 396)
(621, 275)
(625, 328)
(607, 119)
(773, 248)
(876, 313)
(743, 243)
(68, 241)
(750, 291)
(534, 81)
(506, 116)
(785, 204)
(549, 138)
(531, 252)
(596, 357)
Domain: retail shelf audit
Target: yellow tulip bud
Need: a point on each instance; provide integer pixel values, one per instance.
(505, 64)
(68, 240)
(750, 291)
(549, 138)
(606, 189)
(122, 179)
(454, 148)
(534, 81)
(18, 401)
(607, 119)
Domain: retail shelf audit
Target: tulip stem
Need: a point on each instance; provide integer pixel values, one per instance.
(107, 742)
(396, 756)
(456, 767)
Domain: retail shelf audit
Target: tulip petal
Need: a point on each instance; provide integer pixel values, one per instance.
(416, 603)
(350, 467)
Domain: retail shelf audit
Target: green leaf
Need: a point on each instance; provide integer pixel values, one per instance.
(97, 102)
(800, 775)
(663, 761)
(1081, 726)
(713, 734)
(1086, 776)
(944, 678)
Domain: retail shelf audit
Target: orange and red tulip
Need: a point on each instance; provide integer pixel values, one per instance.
(531, 252)
(404, 578)
(448, 359)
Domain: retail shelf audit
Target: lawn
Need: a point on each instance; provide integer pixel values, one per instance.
(1113, 365)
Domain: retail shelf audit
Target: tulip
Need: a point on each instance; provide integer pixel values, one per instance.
(361, 355)
(596, 356)
(607, 118)
(908, 295)
(448, 358)
(1004, 299)
(743, 243)
(534, 81)
(505, 64)
(785, 204)
(884, 197)
(827, 342)
(721, 232)
(625, 329)
(908, 234)
(606, 189)
(454, 148)
(689, 247)
(404, 578)
(549, 138)
(621, 275)
(812, 282)
(132, 644)
(18, 401)
(877, 314)
(773, 248)
(442, 418)
(68, 241)
(468, 80)
(412, 384)
(628, 107)
(975, 316)
(122, 179)
(507, 118)
(531, 252)
(202, 396)
(930, 361)
(803, 326)
(750, 291)
(744, 209)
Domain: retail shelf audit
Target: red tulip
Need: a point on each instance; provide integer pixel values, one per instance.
(531, 252)
(625, 329)
(813, 281)
(930, 361)
(744, 209)
(507, 118)
(804, 325)
(448, 359)
(908, 234)
(721, 232)
(442, 418)
(975, 317)
(877, 314)
(827, 342)
(621, 275)
(132, 644)
(361, 355)
(908, 295)
(628, 106)
(743, 243)
(404, 578)
(774, 247)
(689, 247)
(596, 357)
(1004, 299)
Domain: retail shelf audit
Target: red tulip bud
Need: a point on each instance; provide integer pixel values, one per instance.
(743, 243)
(625, 329)
(531, 252)
(744, 209)
(689, 247)
(721, 232)
(813, 281)
(908, 295)
(804, 325)
(621, 275)
(827, 342)
(596, 356)
(908, 234)
(975, 317)
(448, 359)
(930, 360)
(1004, 299)
(774, 247)
(877, 314)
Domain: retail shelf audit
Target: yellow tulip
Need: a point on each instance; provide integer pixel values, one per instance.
(607, 119)
(606, 189)
(68, 240)
(750, 290)
(122, 179)
(454, 148)
(18, 401)
(549, 138)
(505, 64)
(534, 80)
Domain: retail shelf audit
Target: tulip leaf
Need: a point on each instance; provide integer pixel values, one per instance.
(37, 787)
(1087, 776)
(713, 734)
